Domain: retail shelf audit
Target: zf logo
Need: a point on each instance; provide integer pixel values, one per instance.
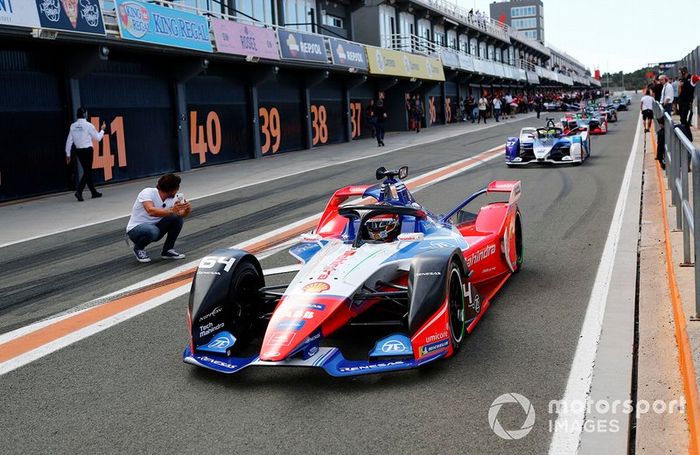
(393, 346)
(209, 262)
(220, 343)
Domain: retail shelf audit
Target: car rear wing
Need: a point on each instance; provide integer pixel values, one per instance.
(497, 186)
(514, 187)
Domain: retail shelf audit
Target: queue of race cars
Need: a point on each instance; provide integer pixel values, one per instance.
(569, 140)
(382, 283)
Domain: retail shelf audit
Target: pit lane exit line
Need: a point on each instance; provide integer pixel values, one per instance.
(29, 343)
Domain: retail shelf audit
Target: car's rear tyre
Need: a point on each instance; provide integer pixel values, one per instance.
(518, 243)
(456, 308)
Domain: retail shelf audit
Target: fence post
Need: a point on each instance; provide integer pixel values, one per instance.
(696, 229)
(683, 153)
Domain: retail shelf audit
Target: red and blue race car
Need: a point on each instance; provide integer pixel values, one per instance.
(383, 264)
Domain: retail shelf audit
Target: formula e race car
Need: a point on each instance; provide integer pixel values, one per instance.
(549, 145)
(596, 122)
(419, 283)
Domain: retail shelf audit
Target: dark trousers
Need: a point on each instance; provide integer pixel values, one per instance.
(379, 131)
(683, 111)
(85, 158)
(146, 233)
(482, 115)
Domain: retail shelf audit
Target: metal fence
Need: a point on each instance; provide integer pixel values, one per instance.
(682, 160)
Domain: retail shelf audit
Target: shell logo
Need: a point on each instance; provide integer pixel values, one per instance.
(316, 286)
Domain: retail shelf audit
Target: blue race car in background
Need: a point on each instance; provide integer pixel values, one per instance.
(548, 145)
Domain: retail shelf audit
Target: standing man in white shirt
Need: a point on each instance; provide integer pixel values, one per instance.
(158, 212)
(667, 95)
(81, 135)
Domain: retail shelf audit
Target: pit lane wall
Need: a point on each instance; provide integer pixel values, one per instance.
(178, 90)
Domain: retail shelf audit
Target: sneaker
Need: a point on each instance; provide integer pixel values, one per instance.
(172, 254)
(96, 195)
(78, 196)
(141, 255)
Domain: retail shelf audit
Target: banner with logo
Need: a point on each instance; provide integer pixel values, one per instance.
(243, 39)
(155, 24)
(19, 13)
(396, 63)
(302, 46)
(347, 53)
(75, 16)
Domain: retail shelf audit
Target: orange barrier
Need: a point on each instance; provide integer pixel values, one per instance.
(685, 358)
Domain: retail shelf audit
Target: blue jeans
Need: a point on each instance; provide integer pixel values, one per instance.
(146, 233)
(496, 113)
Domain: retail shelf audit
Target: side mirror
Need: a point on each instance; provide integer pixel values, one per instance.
(403, 172)
(380, 173)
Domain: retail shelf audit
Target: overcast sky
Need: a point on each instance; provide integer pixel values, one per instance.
(618, 35)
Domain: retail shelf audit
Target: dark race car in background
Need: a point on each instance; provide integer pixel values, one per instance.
(596, 122)
(419, 281)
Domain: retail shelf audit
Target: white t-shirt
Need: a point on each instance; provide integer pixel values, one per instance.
(496, 103)
(667, 93)
(647, 102)
(482, 104)
(139, 215)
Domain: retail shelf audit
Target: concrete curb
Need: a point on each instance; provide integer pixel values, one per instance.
(612, 374)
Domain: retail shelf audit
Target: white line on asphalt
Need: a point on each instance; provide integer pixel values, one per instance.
(569, 424)
(259, 182)
(97, 327)
(153, 303)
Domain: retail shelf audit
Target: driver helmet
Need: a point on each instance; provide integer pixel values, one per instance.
(383, 228)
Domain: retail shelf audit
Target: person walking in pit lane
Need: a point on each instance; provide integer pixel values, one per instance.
(158, 212)
(647, 106)
(81, 134)
(380, 113)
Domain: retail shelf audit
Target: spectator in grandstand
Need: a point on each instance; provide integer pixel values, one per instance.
(158, 212)
(482, 105)
(685, 96)
(667, 94)
(647, 107)
(81, 135)
(381, 115)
